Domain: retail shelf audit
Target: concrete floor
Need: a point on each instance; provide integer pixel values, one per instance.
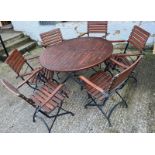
(16, 114)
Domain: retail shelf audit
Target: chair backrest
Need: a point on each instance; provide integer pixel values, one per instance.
(15, 91)
(120, 78)
(10, 87)
(51, 38)
(138, 38)
(16, 61)
(97, 27)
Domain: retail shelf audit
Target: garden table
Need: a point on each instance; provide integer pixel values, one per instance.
(76, 54)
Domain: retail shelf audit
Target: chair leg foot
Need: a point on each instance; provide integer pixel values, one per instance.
(109, 122)
(72, 114)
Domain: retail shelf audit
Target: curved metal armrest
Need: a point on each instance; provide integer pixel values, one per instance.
(59, 87)
(82, 34)
(117, 41)
(91, 84)
(118, 63)
(34, 73)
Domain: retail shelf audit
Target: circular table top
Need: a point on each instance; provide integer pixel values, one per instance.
(76, 54)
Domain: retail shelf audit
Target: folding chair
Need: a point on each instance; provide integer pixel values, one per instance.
(22, 68)
(46, 100)
(102, 85)
(137, 39)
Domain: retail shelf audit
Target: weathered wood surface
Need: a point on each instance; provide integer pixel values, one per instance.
(76, 54)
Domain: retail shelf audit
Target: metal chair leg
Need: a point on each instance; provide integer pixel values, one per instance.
(100, 107)
(108, 118)
(34, 115)
(134, 78)
(111, 110)
(126, 105)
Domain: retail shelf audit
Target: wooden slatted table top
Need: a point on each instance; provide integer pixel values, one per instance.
(76, 54)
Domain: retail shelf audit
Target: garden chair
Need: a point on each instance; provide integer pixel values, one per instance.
(137, 40)
(47, 100)
(51, 38)
(96, 27)
(22, 68)
(102, 85)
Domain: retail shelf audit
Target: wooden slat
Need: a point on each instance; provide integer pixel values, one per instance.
(138, 37)
(51, 38)
(58, 95)
(97, 27)
(38, 103)
(101, 79)
(16, 61)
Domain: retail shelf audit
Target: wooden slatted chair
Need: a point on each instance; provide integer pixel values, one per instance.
(46, 100)
(102, 85)
(96, 27)
(22, 67)
(137, 39)
(51, 38)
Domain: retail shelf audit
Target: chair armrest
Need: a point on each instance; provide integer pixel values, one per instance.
(126, 54)
(91, 84)
(59, 87)
(36, 57)
(10, 87)
(32, 75)
(82, 34)
(117, 41)
(118, 63)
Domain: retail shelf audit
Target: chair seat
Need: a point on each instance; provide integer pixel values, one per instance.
(101, 79)
(41, 95)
